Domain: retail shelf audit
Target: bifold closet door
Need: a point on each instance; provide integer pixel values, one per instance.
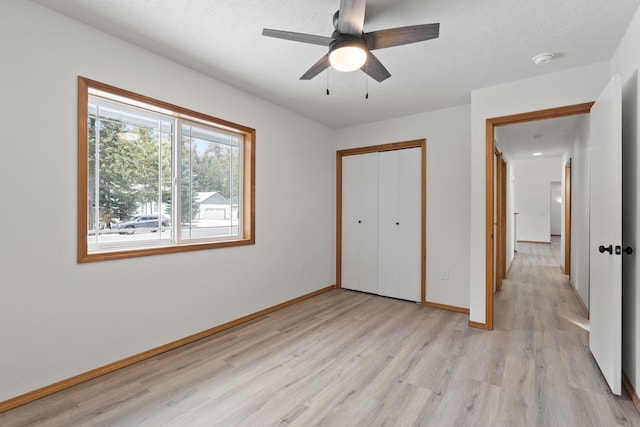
(360, 222)
(399, 223)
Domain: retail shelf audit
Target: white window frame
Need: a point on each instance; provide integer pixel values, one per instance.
(178, 177)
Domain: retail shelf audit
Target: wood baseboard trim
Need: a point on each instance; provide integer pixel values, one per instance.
(509, 269)
(626, 383)
(582, 304)
(94, 373)
(477, 325)
(446, 307)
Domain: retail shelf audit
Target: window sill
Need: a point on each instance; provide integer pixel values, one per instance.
(170, 249)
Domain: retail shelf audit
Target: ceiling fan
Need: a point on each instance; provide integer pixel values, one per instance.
(350, 48)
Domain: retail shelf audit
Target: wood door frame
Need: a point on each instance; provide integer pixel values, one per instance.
(418, 143)
(501, 241)
(491, 124)
(503, 216)
(567, 218)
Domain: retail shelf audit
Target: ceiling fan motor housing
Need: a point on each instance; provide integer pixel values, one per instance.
(346, 40)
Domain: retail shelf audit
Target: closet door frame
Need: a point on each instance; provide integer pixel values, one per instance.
(418, 143)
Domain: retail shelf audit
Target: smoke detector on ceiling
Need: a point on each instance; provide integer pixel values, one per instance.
(542, 58)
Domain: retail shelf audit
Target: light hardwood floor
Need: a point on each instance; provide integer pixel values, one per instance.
(351, 359)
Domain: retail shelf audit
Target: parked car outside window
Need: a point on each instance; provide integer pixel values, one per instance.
(141, 223)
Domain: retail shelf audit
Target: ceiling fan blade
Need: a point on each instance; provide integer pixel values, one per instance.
(375, 69)
(351, 17)
(401, 35)
(317, 68)
(297, 37)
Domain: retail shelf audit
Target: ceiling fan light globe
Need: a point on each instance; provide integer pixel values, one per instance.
(347, 58)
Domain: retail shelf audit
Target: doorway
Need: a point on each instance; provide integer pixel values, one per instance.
(491, 189)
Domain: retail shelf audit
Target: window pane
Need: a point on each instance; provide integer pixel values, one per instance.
(208, 189)
(129, 178)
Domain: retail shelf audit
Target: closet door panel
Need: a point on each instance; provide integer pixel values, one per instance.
(399, 210)
(360, 222)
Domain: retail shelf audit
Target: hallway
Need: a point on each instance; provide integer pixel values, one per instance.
(548, 342)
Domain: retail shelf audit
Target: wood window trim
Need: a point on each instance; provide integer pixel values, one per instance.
(248, 180)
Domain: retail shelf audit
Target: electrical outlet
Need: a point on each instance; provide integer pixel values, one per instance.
(301, 268)
(444, 274)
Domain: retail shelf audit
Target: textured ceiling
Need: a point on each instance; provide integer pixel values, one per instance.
(482, 43)
(551, 137)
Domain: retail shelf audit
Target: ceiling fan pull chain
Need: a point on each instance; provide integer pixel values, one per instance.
(366, 80)
(327, 81)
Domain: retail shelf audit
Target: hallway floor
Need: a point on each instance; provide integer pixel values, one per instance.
(548, 332)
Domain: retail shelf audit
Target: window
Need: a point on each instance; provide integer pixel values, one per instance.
(155, 178)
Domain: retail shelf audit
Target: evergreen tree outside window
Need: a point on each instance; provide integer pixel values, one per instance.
(159, 178)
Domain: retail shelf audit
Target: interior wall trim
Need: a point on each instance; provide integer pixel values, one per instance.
(94, 373)
(477, 325)
(446, 307)
(567, 218)
(510, 265)
(626, 383)
(582, 304)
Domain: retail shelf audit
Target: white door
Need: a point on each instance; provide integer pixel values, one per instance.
(605, 271)
(360, 222)
(400, 237)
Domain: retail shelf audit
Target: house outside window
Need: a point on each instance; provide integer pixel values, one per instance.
(159, 178)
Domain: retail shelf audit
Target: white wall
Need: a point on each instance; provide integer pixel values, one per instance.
(447, 135)
(580, 173)
(626, 62)
(569, 87)
(556, 197)
(59, 318)
(532, 192)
